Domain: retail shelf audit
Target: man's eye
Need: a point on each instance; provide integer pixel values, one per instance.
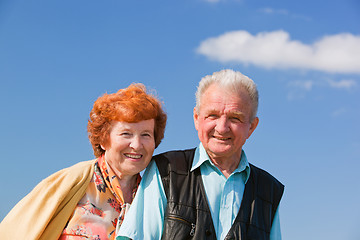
(212, 116)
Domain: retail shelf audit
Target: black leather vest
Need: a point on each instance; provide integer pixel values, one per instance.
(188, 216)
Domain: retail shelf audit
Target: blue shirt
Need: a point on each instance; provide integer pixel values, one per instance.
(145, 218)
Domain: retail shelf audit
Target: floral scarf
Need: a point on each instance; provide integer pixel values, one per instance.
(102, 208)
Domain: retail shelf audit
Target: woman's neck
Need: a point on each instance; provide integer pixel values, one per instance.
(127, 185)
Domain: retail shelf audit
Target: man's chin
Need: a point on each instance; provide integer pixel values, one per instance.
(219, 151)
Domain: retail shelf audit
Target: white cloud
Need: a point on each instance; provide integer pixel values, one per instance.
(336, 53)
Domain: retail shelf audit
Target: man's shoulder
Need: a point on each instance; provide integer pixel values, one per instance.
(259, 172)
(176, 161)
(175, 154)
(265, 180)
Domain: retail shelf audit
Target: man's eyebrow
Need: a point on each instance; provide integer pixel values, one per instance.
(237, 113)
(211, 111)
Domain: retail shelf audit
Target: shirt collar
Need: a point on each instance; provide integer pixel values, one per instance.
(202, 157)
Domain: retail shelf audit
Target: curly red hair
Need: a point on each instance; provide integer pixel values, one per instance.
(132, 104)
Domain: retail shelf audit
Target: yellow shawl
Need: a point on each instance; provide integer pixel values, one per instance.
(44, 212)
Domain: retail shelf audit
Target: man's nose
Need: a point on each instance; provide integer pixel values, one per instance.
(222, 125)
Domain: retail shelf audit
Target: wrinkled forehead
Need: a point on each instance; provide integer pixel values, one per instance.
(218, 99)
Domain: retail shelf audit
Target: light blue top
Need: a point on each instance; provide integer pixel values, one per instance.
(145, 218)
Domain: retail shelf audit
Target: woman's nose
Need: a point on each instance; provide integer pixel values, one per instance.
(136, 143)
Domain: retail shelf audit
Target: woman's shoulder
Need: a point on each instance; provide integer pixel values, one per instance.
(81, 165)
(56, 195)
(74, 173)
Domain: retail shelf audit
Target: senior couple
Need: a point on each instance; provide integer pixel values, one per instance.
(208, 192)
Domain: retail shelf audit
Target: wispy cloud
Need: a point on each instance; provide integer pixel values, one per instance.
(334, 53)
(339, 112)
(305, 85)
(212, 1)
(298, 89)
(218, 1)
(343, 84)
(284, 12)
(274, 11)
(308, 85)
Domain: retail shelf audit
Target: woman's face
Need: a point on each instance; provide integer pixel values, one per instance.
(130, 147)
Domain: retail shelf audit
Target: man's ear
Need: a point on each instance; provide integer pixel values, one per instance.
(196, 118)
(253, 125)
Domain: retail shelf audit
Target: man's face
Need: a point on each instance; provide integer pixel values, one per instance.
(223, 123)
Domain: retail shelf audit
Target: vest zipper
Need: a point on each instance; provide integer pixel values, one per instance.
(192, 232)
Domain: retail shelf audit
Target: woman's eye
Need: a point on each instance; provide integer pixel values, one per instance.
(146, 135)
(125, 134)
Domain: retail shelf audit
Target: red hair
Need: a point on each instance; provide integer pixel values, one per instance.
(132, 104)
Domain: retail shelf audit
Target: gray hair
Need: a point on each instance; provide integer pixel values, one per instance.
(230, 80)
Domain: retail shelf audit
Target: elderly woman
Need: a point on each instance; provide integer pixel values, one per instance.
(89, 200)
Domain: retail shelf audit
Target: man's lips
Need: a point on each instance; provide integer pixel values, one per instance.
(222, 138)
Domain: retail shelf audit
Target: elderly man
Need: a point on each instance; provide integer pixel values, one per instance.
(210, 192)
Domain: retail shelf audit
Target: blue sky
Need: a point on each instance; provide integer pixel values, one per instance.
(57, 57)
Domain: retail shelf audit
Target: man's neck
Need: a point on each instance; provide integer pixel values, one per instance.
(226, 166)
